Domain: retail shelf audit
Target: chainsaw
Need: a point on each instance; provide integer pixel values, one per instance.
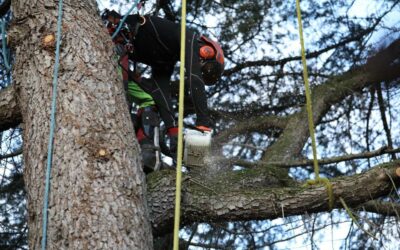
(196, 148)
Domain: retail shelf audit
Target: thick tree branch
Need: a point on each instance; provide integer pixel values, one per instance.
(381, 207)
(247, 195)
(383, 66)
(255, 124)
(10, 114)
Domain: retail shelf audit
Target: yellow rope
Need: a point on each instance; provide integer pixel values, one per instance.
(329, 188)
(317, 180)
(180, 130)
(354, 219)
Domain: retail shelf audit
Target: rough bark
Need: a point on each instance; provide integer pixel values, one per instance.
(251, 195)
(97, 197)
(10, 115)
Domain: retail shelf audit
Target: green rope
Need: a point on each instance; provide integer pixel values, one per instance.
(329, 188)
(52, 127)
(354, 219)
(318, 180)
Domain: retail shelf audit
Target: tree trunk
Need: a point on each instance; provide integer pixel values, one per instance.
(97, 197)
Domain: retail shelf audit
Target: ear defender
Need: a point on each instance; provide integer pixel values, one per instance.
(207, 52)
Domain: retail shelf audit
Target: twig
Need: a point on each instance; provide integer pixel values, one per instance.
(13, 154)
(198, 183)
(384, 120)
(308, 162)
(353, 218)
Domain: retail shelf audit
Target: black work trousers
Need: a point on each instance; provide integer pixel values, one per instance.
(158, 44)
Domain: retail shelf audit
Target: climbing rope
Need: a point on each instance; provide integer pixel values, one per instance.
(52, 127)
(135, 4)
(318, 179)
(180, 128)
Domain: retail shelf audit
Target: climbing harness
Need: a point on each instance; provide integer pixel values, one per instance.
(318, 179)
(180, 128)
(52, 127)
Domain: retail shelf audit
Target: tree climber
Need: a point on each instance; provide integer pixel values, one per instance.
(155, 42)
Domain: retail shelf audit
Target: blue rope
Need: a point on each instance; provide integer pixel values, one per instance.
(123, 19)
(4, 45)
(52, 127)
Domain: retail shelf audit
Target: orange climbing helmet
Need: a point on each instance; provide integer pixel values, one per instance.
(211, 60)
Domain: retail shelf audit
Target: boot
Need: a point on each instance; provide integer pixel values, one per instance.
(149, 155)
(148, 137)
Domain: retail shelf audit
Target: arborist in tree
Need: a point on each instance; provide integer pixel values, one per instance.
(155, 41)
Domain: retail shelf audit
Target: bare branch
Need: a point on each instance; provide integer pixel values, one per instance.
(365, 155)
(309, 55)
(383, 117)
(13, 154)
(310, 162)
